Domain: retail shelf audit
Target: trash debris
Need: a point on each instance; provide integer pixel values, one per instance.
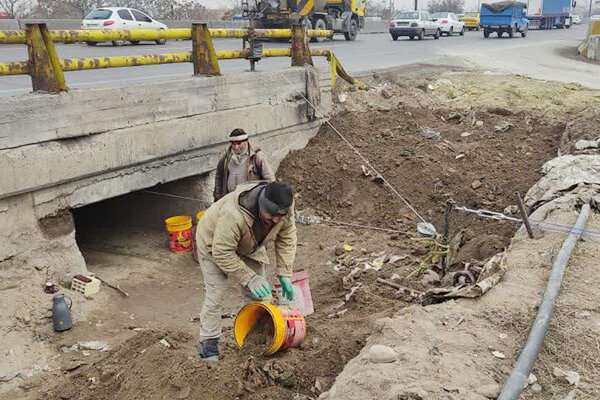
(511, 210)
(353, 290)
(365, 171)
(338, 314)
(382, 354)
(429, 133)
(536, 388)
(455, 116)
(458, 157)
(10, 377)
(504, 127)
(498, 354)
(479, 124)
(532, 379)
(587, 144)
(379, 179)
(115, 287)
(279, 372)
(401, 289)
(347, 248)
(426, 229)
(466, 134)
(50, 288)
(165, 343)
(95, 345)
(572, 377)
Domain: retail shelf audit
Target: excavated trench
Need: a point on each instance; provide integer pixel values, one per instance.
(435, 153)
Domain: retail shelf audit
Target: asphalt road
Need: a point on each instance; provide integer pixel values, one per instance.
(549, 55)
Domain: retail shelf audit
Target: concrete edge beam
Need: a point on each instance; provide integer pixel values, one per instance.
(94, 111)
(103, 186)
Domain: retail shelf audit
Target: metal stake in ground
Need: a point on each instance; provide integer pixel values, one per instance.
(524, 215)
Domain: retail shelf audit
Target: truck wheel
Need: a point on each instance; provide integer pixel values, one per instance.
(411, 37)
(511, 32)
(91, 43)
(394, 37)
(462, 32)
(524, 31)
(421, 35)
(352, 31)
(437, 35)
(320, 24)
(486, 33)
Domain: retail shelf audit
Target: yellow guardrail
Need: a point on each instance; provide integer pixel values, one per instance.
(106, 35)
(47, 69)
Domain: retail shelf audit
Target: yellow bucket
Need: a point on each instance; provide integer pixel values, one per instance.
(289, 325)
(179, 229)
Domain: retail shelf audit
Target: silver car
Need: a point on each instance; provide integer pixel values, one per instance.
(414, 24)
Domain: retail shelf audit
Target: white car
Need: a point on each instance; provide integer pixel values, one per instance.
(414, 24)
(449, 23)
(120, 18)
(575, 19)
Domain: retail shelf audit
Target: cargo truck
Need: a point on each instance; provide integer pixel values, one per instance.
(340, 16)
(548, 14)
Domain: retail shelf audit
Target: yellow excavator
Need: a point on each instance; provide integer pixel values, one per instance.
(340, 16)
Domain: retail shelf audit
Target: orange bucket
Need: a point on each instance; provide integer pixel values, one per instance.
(179, 229)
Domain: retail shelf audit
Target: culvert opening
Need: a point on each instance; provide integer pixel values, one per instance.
(134, 223)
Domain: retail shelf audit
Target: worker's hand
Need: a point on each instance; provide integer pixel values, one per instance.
(287, 288)
(259, 287)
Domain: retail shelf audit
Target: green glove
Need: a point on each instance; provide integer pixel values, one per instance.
(259, 287)
(287, 288)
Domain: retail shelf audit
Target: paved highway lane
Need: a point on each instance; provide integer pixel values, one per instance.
(547, 55)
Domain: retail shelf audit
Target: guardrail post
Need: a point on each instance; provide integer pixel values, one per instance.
(44, 66)
(300, 51)
(204, 56)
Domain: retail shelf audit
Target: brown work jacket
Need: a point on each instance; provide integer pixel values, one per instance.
(225, 233)
(258, 170)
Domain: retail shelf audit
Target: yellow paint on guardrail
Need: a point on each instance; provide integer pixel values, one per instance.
(79, 64)
(202, 55)
(106, 35)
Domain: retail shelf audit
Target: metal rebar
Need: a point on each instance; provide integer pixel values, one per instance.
(518, 377)
(524, 215)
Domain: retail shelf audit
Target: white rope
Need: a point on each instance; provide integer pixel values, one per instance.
(363, 158)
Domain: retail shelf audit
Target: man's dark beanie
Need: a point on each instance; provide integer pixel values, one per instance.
(280, 193)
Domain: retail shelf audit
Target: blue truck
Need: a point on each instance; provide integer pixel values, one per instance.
(548, 14)
(504, 17)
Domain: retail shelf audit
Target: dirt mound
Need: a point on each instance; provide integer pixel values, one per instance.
(477, 159)
(163, 364)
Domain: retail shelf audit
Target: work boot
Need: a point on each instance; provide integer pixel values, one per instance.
(208, 350)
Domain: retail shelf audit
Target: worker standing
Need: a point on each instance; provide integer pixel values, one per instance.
(241, 163)
(231, 247)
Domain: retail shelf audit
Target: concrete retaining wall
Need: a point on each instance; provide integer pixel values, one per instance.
(59, 152)
(590, 48)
